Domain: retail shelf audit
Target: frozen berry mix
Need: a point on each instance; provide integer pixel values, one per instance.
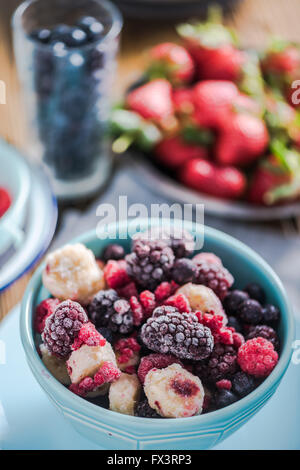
(160, 331)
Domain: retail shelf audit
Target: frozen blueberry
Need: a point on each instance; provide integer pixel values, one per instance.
(93, 28)
(183, 271)
(42, 35)
(233, 322)
(250, 311)
(256, 292)
(270, 314)
(224, 398)
(113, 251)
(242, 384)
(233, 300)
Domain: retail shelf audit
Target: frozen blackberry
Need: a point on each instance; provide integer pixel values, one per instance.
(183, 271)
(270, 314)
(144, 410)
(150, 263)
(250, 311)
(170, 332)
(264, 331)
(221, 364)
(113, 251)
(233, 300)
(180, 240)
(102, 307)
(108, 310)
(224, 398)
(62, 327)
(256, 292)
(233, 322)
(214, 276)
(242, 384)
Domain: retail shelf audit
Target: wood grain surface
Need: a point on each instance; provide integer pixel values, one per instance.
(253, 19)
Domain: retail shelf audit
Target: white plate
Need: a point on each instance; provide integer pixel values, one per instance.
(164, 185)
(39, 229)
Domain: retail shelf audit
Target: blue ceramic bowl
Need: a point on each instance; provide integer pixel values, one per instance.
(15, 177)
(116, 431)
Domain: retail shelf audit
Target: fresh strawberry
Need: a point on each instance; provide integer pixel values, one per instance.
(204, 176)
(171, 61)
(183, 100)
(283, 61)
(212, 100)
(242, 140)
(173, 152)
(152, 100)
(212, 47)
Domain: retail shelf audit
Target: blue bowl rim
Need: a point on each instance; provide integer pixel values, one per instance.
(97, 412)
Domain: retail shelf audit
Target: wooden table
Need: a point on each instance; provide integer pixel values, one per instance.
(279, 243)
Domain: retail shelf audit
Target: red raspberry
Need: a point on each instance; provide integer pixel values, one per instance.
(126, 347)
(86, 385)
(88, 335)
(224, 384)
(165, 290)
(238, 340)
(257, 357)
(106, 374)
(128, 291)
(137, 310)
(147, 299)
(215, 323)
(180, 301)
(115, 274)
(157, 361)
(42, 312)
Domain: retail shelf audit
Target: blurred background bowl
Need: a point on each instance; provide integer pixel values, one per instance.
(112, 430)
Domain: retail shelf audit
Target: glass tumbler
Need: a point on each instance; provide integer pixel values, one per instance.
(67, 88)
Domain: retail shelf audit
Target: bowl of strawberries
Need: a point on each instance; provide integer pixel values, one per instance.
(152, 341)
(216, 123)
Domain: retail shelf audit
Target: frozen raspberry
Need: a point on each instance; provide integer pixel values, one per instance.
(144, 410)
(42, 312)
(115, 274)
(183, 271)
(88, 335)
(62, 327)
(215, 277)
(238, 340)
(180, 301)
(270, 314)
(233, 300)
(257, 357)
(224, 398)
(157, 361)
(170, 332)
(165, 290)
(224, 384)
(207, 258)
(82, 388)
(126, 348)
(242, 384)
(180, 240)
(264, 331)
(106, 374)
(250, 311)
(215, 323)
(221, 364)
(150, 263)
(127, 291)
(113, 251)
(148, 302)
(137, 310)
(256, 292)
